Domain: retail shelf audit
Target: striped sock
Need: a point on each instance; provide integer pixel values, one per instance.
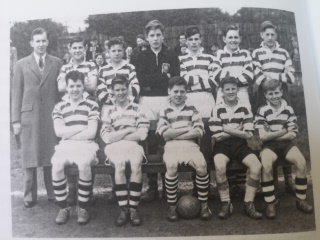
(202, 183)
(241, 177)
(223, 189)
(171, 189)
(232, 178)
(135, 192)
(122, 194)
(60, 191)
(301, 188)
(268, 191)
(84, 190)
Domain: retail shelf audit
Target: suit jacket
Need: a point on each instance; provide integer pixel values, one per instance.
(34, 96)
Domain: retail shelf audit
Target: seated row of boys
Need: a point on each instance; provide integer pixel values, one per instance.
(125, 124)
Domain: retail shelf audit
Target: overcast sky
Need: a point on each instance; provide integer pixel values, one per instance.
(74, 24)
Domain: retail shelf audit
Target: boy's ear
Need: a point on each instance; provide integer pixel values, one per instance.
(224, 39)
(261, 35)
(168, 90)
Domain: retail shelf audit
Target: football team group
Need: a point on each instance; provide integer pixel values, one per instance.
(71, 102)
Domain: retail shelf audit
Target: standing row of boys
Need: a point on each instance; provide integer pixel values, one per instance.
(178, 92)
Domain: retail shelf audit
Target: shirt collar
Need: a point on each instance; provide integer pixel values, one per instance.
(227, 51)
(123, 63)
(264, 46)
(168, 105)
(283, 105)
(37, 57)
(85, 95)
(73, 64)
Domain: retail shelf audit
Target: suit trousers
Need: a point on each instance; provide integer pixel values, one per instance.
(31, 183)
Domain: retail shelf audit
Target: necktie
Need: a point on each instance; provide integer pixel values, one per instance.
(41, 63)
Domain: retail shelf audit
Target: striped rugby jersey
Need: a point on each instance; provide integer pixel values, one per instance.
(114, 118)
(233, 117)
(197, 71)
(87, 110)
(267, 117)
(238, 64)
(108, 72)
(277, 62)
(84, 67)
(171, 117)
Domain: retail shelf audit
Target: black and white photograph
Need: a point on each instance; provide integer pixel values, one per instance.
(164, 121)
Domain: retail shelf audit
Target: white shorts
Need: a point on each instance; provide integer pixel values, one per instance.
(182, 151)
(202, 101)
(73, 151)
(152, 106)
(124, 151)
(242, 95)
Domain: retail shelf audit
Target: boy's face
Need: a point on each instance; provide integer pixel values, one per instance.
(274, 97)
(99, 60)
(140, 42)
(183, 50)
(116, 53)
(155, 38)
(182, 39)
(77, 51)
(194, 42)
(230, 91)
(232, 40)
(75, 89)
(177, 95)
(120, 92)
(269, 37)
(39, 43)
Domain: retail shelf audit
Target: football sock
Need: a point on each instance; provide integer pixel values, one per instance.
(251, 189)
(202, 183)
(84, 190)
(223, 189)
(301, 188)
(268, 191)
(135, 193)
(60, 191)
(241, 177)
(121, 191)
(171, 189)
(232, 178)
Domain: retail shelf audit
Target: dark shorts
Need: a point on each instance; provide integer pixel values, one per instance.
(234, 148)
(281, 149)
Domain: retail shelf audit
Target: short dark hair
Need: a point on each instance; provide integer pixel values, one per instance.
(119, 79)
(153, 25)
(74, 75)
(99, 54)
(115, 41)
(38, 31)
(190, 31)
(267, 24)
(230, 28)
(179, 81)
(75, 40)
(270, 85)
(140, 36)
(228, 80)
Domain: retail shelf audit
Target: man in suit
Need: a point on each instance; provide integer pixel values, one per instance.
(34, 95)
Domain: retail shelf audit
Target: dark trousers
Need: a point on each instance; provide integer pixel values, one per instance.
(31, 183)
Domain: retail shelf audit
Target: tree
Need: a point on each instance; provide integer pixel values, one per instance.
(20, 34)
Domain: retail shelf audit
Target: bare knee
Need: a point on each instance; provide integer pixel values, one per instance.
(172, 169)
(201, 168)
(135, 167)
(220, 166)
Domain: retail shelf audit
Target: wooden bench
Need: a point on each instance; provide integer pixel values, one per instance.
(155, 163)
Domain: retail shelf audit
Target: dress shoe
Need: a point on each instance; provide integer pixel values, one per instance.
(29, 204)
(303, 206)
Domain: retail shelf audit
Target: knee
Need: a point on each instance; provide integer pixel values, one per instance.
(301, 164)
(201, 168)
(135, 167)
(172, 170)
(57, 167)
(220, 166)
(256, 168)
(84, 168)
(120, 167)
(266, 165)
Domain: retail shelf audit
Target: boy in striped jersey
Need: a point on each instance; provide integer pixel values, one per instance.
(271, 61)
(235, 61)
(231, 124)
(197, 69)
(179, 125)
(75, 121)
(77, 52)
(277, 125)
(124, 126)
(116, 65)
